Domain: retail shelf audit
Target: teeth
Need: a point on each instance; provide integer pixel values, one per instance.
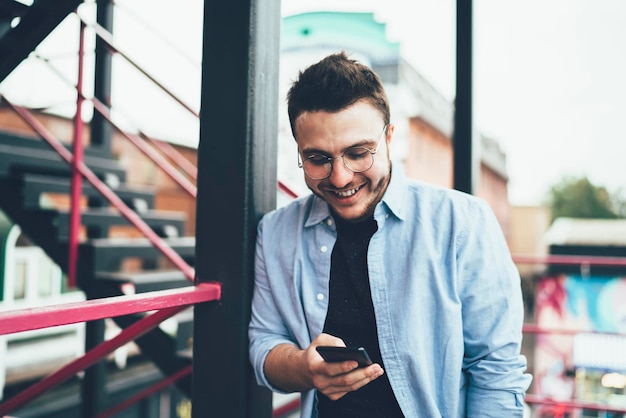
(347, 193)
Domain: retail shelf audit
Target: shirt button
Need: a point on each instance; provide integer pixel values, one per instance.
(329, 222)
(323, 248)
(320, 296)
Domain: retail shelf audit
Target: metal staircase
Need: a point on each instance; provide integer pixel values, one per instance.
(30, 171)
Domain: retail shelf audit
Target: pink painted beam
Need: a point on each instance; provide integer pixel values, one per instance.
(287, 190)
(536, 329)
(71, 313)
(572, 404)
(172, 153)
(288, 408)
(573, 260)
(77, 179)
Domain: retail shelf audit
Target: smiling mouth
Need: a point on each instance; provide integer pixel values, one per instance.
(347, 193)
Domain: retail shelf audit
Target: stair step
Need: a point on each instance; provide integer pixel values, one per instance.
(26, 159)
(35, 142)
(34, 185)
(186, 353)
(164, 223)
(147, 280)
(106, 254)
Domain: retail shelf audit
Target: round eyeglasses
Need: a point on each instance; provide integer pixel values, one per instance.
(355, 159)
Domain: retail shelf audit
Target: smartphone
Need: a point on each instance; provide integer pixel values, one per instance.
(333, 354)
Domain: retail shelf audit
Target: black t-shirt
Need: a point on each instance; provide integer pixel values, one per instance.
(351, 317)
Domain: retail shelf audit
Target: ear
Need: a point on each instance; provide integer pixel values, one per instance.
(390, 128)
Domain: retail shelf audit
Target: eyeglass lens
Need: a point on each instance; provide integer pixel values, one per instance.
(357, 159)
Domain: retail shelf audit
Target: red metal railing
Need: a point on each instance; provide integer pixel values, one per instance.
(571, 260)
(288, 408)
(77, 178)
(563, 405)
(166, 302)
(172, 153)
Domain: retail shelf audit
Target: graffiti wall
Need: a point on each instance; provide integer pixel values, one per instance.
(596, 306)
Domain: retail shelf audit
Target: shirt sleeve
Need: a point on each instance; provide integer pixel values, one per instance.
(493, 316)
(266, 329)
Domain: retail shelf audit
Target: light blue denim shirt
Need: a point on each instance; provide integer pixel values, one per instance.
(446, 295)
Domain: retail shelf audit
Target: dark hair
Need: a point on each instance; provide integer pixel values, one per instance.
(333, 84)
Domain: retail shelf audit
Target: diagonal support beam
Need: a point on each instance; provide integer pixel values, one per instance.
(40, 19)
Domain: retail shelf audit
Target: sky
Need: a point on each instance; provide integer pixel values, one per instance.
(548, 76)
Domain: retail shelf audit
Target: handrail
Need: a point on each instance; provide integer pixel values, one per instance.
(176, 300)
(149, 391)
(99, 185)
(136, 140)
(287, 408)
(572, 260)
(287, 190)
(172, 153)
(538, 329)
(76, 186)
(27, 319)
(541, 400)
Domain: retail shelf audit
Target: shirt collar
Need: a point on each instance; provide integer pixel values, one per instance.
(393, 201)
(319, 212)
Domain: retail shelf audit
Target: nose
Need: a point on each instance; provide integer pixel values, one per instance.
(340, 175)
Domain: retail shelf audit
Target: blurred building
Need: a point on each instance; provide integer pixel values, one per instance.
(527, 235)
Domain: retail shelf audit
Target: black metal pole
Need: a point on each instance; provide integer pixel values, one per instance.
(94, 397)
(236, 186)
(101, 131)
(463, 126)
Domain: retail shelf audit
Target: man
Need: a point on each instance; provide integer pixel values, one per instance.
(418, 275)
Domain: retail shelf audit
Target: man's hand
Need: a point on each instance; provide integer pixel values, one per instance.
(292, 369)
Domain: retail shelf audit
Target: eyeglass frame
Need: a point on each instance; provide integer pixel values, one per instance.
(331, 159)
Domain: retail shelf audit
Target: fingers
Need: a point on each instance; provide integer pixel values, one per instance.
(336, 379)
(347, 380)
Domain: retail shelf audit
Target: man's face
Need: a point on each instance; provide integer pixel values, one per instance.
(351, 196)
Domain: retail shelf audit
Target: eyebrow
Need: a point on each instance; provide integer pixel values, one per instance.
(361, 144)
